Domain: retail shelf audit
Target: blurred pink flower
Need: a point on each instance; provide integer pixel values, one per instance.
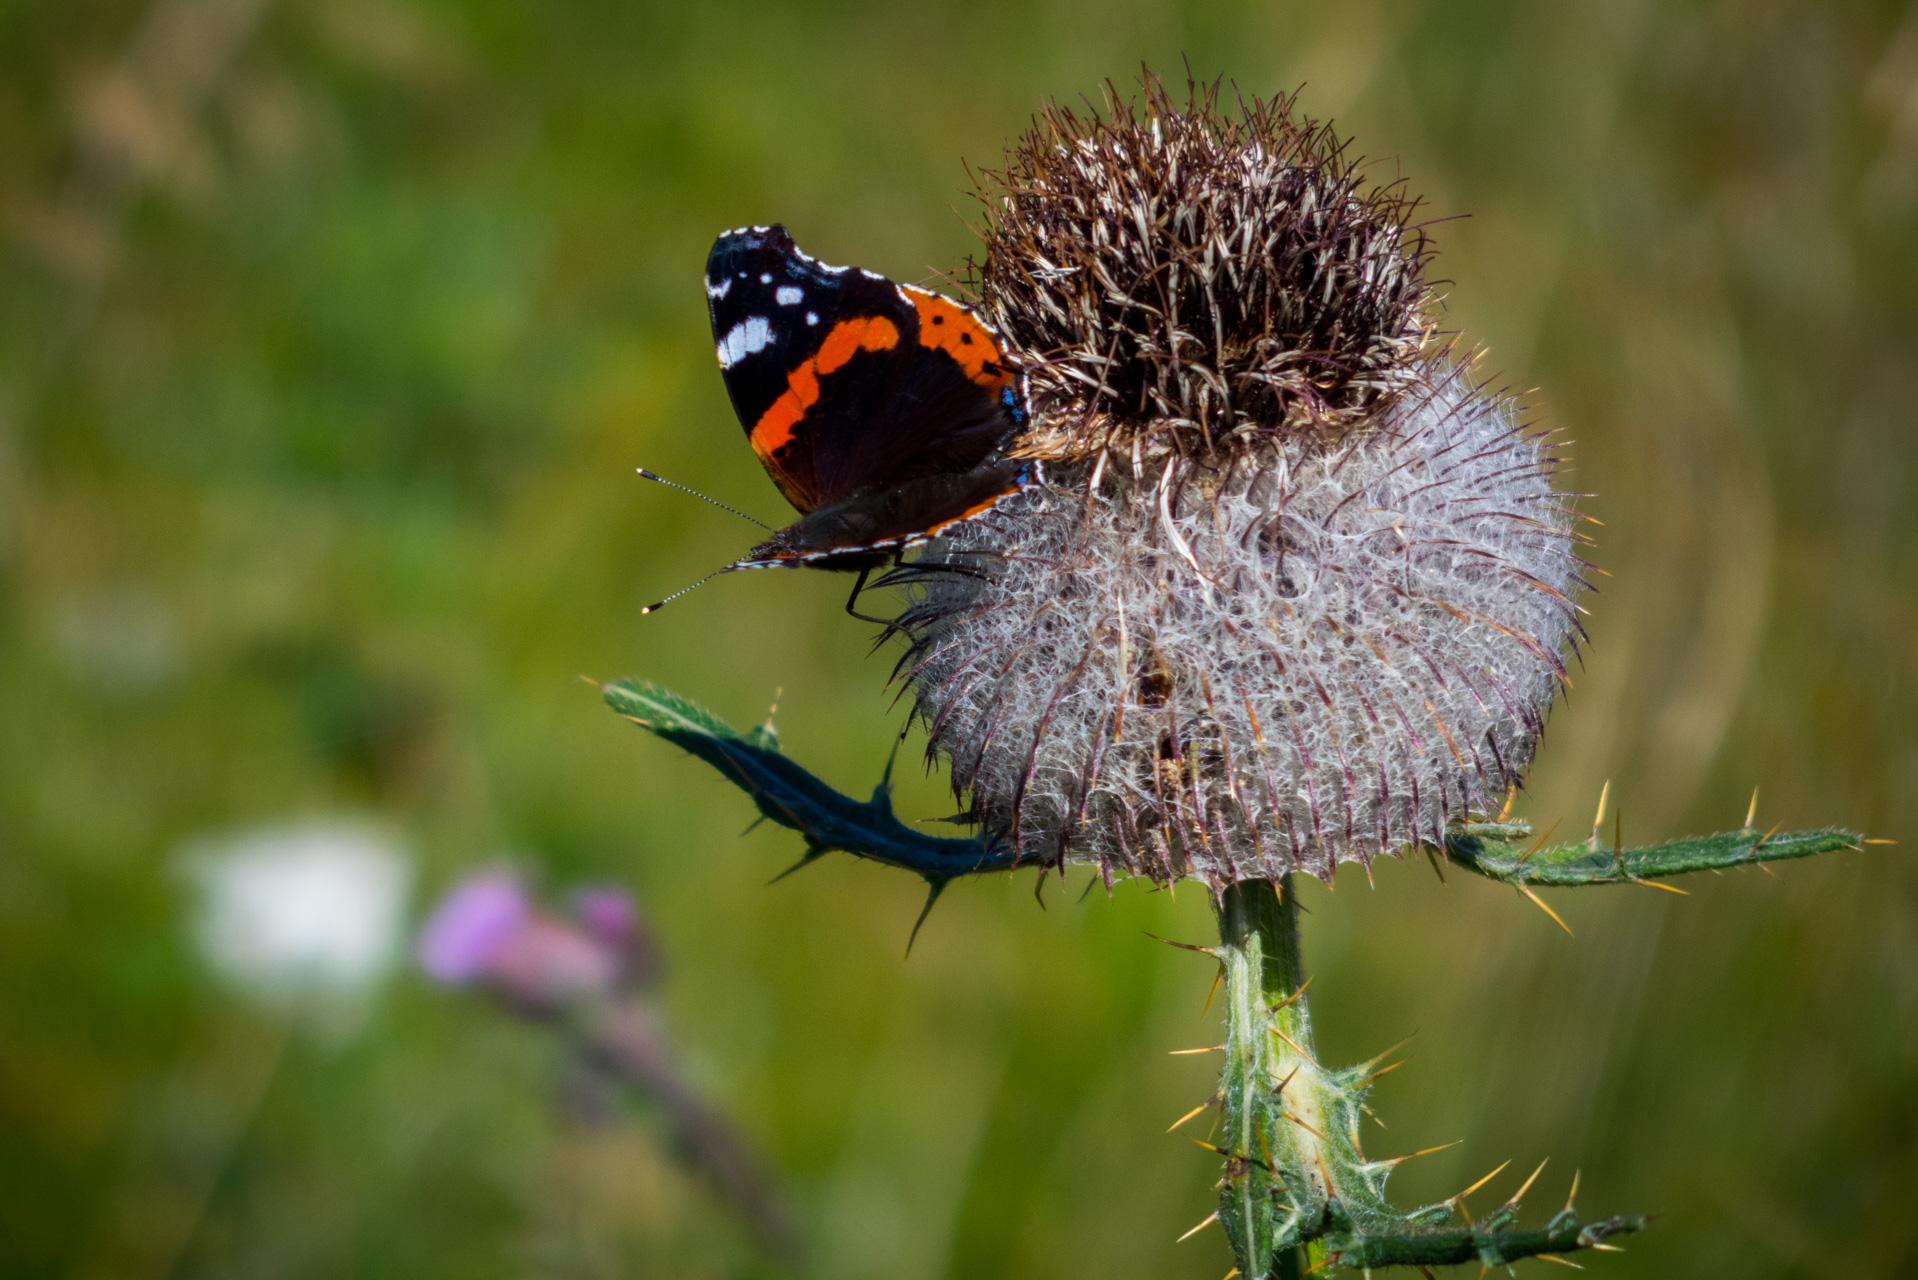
(470, 925)
(488, 930)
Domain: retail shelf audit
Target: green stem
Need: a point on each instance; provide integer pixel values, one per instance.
(1298, 1193)
(1275, 1105)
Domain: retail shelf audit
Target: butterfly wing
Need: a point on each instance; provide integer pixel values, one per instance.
(844, 380)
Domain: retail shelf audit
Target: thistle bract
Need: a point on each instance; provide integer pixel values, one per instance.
(1300, 589)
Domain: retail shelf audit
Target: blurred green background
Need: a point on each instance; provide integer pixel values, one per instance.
(331, 332)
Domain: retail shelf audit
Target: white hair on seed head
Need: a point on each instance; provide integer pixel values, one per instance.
(1298, 590)
(1316, 652)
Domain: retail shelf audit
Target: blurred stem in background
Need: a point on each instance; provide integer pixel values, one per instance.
(594, 978)
(200, 1116)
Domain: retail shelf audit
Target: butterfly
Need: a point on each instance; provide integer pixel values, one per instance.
(882, 411)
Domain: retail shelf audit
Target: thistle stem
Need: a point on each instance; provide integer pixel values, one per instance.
(1275, 1172)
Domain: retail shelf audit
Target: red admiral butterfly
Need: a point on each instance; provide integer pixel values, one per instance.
(880, 410)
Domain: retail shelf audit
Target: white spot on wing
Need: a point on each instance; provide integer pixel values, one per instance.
(812, 317)
(749, 337)
(765, 277)
(788, 296)
(719, 290)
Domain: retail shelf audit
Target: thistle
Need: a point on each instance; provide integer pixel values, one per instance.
(1300, 590)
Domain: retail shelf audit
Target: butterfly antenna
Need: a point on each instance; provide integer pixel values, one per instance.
(659, 479)
(655, 608)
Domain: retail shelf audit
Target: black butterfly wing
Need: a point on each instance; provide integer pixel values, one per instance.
(943, 400)
(773, 309)
(844, 380)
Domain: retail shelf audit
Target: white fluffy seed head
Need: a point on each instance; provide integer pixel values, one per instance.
(1318, 651)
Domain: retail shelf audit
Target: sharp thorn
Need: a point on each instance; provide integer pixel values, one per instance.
(1381, 1071)
(1183, 1053)
(1288, 1080)
(1184, 946)
(1668, 888)
(1294, 996)
(1217, 978)
(1768, 835)
(1215, 1150)
(1195, 1111)
(1396, 1161)
(1293, 1045)
(1331, 1192)
(934, 889)
(1539, 844)
(1476, 1185)
(1563, 1262)
(1209, 1220)
(1303, 1125)
(1751, 811)
(810, 857)
(1571, 1198)
(1520, 1193)
(1270, 1166)
(1526, 890)
(1598, 820)
(1384, 1054)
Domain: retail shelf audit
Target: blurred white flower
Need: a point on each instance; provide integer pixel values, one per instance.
(305, 917)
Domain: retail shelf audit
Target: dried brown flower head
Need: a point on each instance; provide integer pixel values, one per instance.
(1183, 269)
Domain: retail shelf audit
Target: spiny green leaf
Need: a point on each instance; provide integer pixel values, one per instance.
(1501, 852)
(791, 796)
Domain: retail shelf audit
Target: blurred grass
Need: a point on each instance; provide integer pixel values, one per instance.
(330, 334)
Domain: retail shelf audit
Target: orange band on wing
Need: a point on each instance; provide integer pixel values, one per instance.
(976, 508)
(774, 430)
(946, 326)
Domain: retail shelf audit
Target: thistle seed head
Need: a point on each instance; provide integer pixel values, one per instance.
(1188, 273)
(1309, 652)
(1299, 589)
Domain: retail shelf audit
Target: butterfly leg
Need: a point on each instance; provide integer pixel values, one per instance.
(853, 599)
